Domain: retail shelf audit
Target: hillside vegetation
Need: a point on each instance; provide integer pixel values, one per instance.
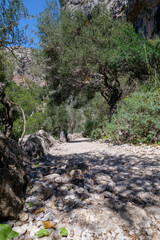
(102, 73)
(103, 79)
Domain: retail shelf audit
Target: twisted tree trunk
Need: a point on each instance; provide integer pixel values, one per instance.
(13, 178)
(9, 112)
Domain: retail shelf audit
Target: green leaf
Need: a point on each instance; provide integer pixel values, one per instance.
(31, 204)
(64, 232)
(6, 232)
(42, 233)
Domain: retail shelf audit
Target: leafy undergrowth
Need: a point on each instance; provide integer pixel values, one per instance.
(42, 233)
(64, 232)
(6, 232)
(137, 120)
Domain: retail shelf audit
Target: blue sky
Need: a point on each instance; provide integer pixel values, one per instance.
(34, 8)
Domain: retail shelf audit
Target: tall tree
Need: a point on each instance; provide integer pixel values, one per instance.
(11, 12)
(89, 53)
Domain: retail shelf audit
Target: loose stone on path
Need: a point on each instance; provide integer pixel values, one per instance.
(96, 191)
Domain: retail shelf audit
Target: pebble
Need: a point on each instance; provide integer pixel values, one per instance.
(21, 230)
(39, 216)
(46, 193)
(23, 217)
(51, 177)
(112, 197)
(48, 217)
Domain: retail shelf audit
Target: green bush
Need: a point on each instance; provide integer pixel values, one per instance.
(89, 127)
(30, 98)
(6, 232)
(137, 120)
(35, 122)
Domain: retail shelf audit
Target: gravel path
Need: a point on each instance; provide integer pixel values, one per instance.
(96, 191)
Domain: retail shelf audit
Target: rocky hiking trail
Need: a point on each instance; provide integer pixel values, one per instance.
(95, 190)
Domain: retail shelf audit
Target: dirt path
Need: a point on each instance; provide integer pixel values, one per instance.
(97, 191)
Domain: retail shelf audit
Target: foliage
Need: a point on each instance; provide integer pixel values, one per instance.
(137, 120)
(35, 122)
(6, 232)
(58, 118)
(95, 114)
(2, 68)
(31, 204)
(42, 233)
(64, 232)
(72, 116)
(31, 99)
(96, 109)
(28, 97)
(11, 11)
(89, 127)
(97, 54)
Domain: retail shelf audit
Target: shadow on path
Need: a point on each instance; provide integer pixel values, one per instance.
(125, 185)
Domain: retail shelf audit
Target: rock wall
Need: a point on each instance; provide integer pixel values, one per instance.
(144, 14)
(13, 178)
(27, 66)
(87, 6)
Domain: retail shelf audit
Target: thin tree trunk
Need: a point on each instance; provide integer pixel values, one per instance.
(24, 118)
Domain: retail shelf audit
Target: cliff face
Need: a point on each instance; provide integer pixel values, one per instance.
(28, 66)
(144, 14)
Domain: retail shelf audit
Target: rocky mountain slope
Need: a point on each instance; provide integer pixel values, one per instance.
(144, 14)
(28, 66)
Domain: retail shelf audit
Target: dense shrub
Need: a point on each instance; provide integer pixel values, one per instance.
(89, 127)
(137, 120)
(30, 98)
(96, 114)
(35, 122)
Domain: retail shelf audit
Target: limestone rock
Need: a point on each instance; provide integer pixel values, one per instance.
(47, 141)
(23, 216)
(47, 192)
(127, 173)
(13, 179)
(75, 136)
(76, 176)
(37, 144)
(144, 14)
(32, 145)
(63, 137)
(27, 67)
(20, 230)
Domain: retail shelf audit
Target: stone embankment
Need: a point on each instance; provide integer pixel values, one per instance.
(95, 190)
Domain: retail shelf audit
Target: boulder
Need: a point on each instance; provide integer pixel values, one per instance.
(47, 141)
(32, 145)
(63, 137)
(37, 144)
(13, 179)
(75, 136)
